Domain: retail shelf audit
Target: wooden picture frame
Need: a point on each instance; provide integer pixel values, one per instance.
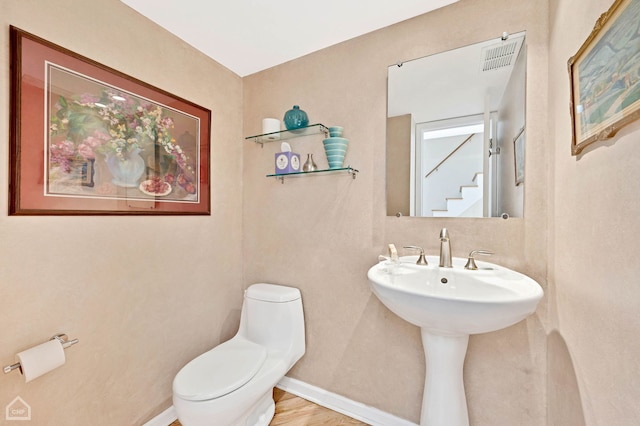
(86, 139)
(605, 77)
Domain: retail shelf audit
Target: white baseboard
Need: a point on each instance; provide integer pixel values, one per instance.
(340, 404)
(332, 401)
(165, 418)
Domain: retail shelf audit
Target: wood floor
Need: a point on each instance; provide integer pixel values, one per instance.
(295, 411)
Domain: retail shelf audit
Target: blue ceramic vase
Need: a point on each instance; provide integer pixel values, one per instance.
(295, 118)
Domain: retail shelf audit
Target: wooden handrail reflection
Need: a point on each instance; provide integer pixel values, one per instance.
(450, 154)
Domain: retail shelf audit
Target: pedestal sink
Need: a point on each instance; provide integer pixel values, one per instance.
(449, 304)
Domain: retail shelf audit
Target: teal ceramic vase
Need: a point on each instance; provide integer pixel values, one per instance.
(335, 149)
(295, 118)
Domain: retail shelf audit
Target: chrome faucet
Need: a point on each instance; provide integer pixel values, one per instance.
(445, 249)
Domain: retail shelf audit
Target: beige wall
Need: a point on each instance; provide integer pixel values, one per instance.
(400, 137)
(147, 294)
(323, 233)
(143, 294)
(593, 241)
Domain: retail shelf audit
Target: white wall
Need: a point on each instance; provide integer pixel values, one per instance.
(457, 170)
(511, 119)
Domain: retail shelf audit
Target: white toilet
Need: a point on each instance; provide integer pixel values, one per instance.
(232, 384)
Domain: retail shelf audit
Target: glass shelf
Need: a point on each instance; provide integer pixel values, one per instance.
(283, 135)
(350, 170)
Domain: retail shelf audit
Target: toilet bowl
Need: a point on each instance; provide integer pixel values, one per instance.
(232, 384)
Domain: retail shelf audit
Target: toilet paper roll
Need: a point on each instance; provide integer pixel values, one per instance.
(41, 359)
(270, 125)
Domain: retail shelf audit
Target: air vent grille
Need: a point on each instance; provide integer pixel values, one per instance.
(500, 56)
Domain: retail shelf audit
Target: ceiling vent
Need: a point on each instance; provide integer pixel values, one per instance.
(500, 55)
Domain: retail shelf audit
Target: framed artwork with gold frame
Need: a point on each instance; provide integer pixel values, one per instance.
(605, 77)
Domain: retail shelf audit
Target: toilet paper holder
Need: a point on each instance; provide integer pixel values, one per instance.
(62, 338)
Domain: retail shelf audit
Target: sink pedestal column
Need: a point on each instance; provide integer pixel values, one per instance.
(444, 402)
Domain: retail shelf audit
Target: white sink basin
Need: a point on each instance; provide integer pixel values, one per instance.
(455, 300)
(449, 304)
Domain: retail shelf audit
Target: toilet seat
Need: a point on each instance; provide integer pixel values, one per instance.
(220, 371)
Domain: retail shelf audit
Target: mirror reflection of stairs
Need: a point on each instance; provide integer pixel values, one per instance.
(467, 203)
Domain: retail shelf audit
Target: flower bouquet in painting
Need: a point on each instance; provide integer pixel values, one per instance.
(106, 142)
(87, 139)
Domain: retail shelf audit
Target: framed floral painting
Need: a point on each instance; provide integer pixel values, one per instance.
(87, 139)
(605, 77)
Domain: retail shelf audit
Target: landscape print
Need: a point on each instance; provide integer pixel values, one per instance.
(608, 83)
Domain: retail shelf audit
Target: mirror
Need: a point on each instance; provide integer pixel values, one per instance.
(456, 132)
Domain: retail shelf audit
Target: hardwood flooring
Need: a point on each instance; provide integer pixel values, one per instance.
(292, 410)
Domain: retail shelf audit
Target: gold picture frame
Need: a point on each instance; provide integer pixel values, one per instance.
(605, 77)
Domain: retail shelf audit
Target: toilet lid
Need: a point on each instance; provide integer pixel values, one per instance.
(223, 369)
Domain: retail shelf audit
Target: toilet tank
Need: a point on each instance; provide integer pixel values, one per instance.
(272, 316)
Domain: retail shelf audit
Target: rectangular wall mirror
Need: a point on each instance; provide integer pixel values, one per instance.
(456, 132)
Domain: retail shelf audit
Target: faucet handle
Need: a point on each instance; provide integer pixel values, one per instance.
(421, 259)
(471, 262)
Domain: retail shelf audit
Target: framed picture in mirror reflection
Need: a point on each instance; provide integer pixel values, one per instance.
(518, 156)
